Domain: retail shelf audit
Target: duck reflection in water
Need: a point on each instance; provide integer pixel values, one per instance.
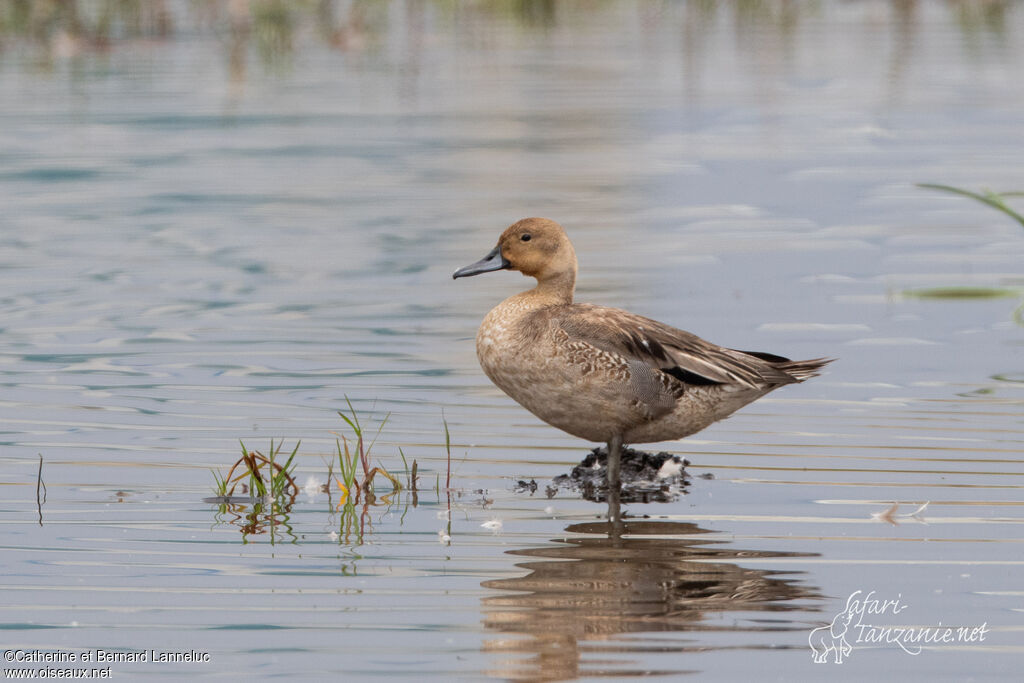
(631, 577)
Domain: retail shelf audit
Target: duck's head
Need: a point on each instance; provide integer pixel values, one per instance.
(536, 247)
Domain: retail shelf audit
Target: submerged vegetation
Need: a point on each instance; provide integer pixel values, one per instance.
(962, 293)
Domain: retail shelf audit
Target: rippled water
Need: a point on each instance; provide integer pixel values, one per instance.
(220, 222)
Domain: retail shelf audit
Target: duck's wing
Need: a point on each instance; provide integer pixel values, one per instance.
(676, 352)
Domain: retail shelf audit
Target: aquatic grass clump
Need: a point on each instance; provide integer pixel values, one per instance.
(270, 484)
(347, 458)
(271, 487)
(220, 484)
(282, 483)
(267, 478)
(346, 468)
(353, 491)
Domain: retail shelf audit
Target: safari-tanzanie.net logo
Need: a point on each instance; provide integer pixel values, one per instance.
(864, 621)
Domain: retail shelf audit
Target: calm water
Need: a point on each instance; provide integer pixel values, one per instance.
(219, 221)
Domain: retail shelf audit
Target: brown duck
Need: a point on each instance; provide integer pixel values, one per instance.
(604, 374)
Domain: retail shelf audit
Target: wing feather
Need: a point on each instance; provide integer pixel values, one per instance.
(673, 351)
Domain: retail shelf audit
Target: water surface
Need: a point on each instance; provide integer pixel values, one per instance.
(218, 224)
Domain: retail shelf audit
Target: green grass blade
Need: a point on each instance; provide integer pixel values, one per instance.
(282, 478)
(288, 462)
(256, 481)
(346, 464)
(405, 464)
(350, 422)
(355, 416)
(220, 484)
(379, 430)
(952, 190)
(448, 449)
(993, 199)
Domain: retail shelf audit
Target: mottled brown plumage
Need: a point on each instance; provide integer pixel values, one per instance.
(605, 374)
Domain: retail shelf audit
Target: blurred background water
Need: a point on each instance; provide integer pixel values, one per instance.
(221, 219)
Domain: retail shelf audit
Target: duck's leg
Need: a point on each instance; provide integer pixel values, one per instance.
(614, 461)
(614, 481)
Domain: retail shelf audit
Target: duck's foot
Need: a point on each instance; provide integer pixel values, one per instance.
(646, 477)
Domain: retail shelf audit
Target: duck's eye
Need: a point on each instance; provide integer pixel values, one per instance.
(525, 237)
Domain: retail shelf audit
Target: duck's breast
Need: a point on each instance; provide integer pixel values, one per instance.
(567, 383)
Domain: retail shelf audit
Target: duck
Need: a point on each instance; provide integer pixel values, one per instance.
(604, 374)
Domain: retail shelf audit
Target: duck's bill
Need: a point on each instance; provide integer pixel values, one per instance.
(493, 261)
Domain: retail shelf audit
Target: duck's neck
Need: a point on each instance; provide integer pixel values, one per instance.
(554, 290)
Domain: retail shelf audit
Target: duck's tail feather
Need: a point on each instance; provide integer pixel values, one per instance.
(801, 370)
